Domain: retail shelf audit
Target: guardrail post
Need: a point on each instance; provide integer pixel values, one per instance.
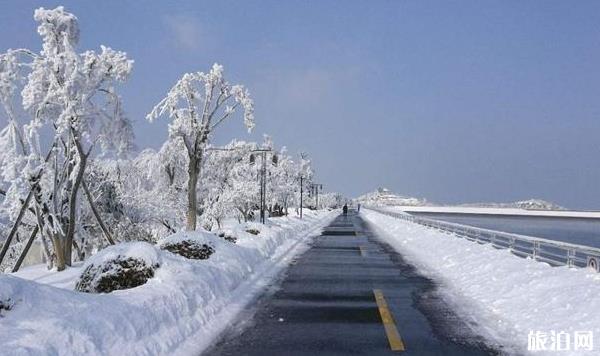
(536, 247)
(511, 245)
(571, 257)
(592, 262)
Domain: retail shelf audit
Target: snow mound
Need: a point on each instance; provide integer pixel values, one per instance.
(246, 230)
(198, 245)
(123, 266)
(385, 197)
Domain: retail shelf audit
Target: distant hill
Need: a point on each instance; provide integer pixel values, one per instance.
(385, 197)
(531, 204)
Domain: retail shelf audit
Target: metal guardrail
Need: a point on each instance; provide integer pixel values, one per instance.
(555, 253)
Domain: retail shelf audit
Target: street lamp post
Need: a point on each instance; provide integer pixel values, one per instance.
(301, 185)
(263, 180)
(315, 187)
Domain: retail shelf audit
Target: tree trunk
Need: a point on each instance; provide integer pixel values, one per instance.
(68, 247)
(59, 251)
(26, 249)
(15, 227)
(192, 210)
(40, 223)
(47, 252)
(243, 213)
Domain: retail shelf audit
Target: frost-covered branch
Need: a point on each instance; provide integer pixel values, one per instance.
(193, 126)
(66, 93)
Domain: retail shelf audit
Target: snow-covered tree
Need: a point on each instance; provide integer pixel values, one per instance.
(196, 105)
(222, 180)
(69, 107)
(66, 177)
(331, 200)
(281, 180)
(136, 197)
(304, 174)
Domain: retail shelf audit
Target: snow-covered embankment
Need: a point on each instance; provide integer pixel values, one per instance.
(506, 296)
(178, 312)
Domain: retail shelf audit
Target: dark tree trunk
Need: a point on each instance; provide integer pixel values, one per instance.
(192, 210)
(15, 227)
(68, 245)
(26, 249)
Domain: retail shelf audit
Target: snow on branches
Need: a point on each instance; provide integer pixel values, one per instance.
(70, 95)
(196, 105)
(199, 102)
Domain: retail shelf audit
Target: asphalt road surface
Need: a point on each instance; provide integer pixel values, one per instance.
(350, 294)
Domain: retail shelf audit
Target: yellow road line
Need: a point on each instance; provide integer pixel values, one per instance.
(363, 251)
(391, 330)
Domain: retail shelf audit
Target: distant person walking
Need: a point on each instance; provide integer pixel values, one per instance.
(345, 209)
(358, 206)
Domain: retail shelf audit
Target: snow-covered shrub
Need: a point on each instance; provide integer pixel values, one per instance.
(123, 266)
(5, 304)
(227, 235)
(234, 234)
(253, 228)
(120, 273)
(197, 245)
(190, 249)
(253, 231)
(277, 212)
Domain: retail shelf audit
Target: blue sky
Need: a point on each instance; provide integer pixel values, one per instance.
(454, 101)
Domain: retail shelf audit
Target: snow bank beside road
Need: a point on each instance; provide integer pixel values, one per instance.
(179, 311)
(505, 295)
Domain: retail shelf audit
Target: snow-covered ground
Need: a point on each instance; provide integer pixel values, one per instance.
(496, 211)
(179, 311)
(504, 295)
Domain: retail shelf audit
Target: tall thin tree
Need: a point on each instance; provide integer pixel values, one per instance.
(197, 104)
